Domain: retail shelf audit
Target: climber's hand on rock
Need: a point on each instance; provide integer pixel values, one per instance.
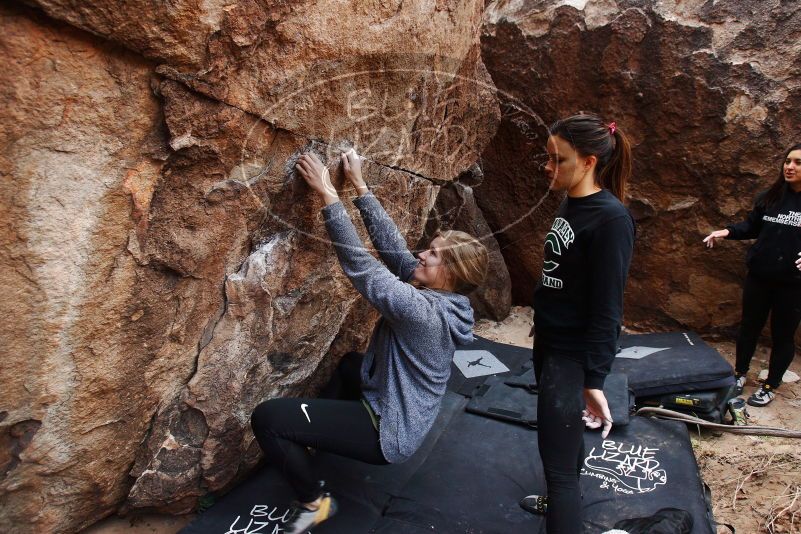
(313, 171)
(798, 261)
(712, 238)
(352, 165)
(316, 175)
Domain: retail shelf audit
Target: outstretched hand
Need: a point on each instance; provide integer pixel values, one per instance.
(712, 238)
(597, 413)
(316, 175)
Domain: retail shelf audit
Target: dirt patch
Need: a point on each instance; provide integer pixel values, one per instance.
(756, 481)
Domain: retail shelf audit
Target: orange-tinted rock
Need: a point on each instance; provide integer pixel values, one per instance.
(706, 90)
(165, 269)
(81, 138)
(400, 79)
(266, 331)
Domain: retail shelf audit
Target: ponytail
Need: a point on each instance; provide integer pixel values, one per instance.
(591, 136)
(615, 174)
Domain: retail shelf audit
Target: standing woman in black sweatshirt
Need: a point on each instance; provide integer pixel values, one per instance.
(773, 283)
(578, 304)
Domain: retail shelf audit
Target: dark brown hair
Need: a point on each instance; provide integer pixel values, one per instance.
(780, 186)
(591, 136)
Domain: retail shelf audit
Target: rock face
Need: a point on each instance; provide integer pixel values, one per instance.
(708, 91)
(165, 270)
(378, 74)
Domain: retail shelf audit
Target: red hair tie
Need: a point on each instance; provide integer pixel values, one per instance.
(612, 128)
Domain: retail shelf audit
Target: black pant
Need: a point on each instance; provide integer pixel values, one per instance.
(560, 436)
(783, 302)
(285, 427)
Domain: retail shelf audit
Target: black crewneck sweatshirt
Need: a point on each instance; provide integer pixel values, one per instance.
(777, 230)
(578, 303)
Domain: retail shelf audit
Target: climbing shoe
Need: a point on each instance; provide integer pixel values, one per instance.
(302, 519)
(739, 384)
(535, 504)
(762, 396)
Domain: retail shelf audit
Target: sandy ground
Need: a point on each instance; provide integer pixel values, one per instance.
(755, 481)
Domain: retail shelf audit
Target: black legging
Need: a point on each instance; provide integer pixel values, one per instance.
(285, 427)
(783, 302)
(560, 436)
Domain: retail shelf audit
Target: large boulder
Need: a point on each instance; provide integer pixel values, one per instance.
(377, 73)
(82, 147)
(265, 329)
(708, 91)
(165, 269)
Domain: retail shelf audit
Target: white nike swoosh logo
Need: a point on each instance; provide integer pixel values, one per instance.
(303, 407)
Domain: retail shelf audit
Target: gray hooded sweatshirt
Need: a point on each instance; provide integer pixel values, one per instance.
(408, 360)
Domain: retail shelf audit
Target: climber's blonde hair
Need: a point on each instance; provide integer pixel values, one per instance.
(466, 260)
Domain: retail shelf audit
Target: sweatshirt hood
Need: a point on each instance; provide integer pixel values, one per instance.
(459, 314)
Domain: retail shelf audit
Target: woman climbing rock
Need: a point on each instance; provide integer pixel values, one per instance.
(403, 375)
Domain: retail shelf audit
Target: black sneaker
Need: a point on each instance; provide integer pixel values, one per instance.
(762, 396)
(301, 519)
(535, 504)
(739, 384)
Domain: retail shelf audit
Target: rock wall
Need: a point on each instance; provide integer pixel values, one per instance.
(708, 91)
(164, 268)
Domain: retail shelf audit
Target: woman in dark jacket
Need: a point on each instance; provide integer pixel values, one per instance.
(578, 304)
(403, 375)
(773, 283)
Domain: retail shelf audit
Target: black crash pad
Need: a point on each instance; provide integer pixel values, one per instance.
(362, 490)
(687, 364)
(708, 405)
(469, 475)
(513, 357)
(524, 378)
(470, 479)
(642, 467)
(497, 399)
(475, 476)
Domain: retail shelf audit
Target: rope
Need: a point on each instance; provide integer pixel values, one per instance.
(754, 430)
